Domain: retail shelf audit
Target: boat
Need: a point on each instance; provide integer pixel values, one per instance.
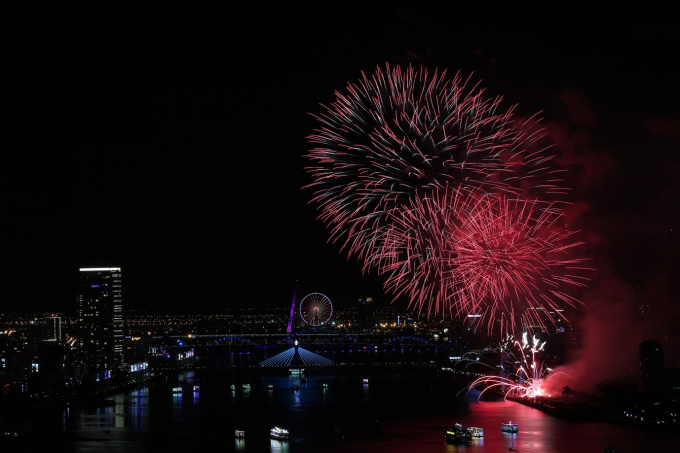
(365, 381)
(476, 431)
(457, 435)
(197, 388)
(296, 386)
(239, 434)
(325, 386)
(509, 427)
(233, 387)
(246, 386)
(177, 390)
(279, 433)
(270, 386)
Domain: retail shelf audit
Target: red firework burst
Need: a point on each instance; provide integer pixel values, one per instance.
(506, 261)
(419, 176)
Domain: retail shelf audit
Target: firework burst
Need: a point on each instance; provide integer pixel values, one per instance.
(400, 134)
(527, 373)
(422, 178)
(504, 260)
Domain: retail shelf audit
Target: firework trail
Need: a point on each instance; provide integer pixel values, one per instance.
(406, 164)
(504, 260)
(527, 373)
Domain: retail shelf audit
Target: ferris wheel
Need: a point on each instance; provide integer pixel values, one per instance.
(316, 309)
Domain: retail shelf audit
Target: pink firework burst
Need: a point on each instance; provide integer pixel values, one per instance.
(508, 262)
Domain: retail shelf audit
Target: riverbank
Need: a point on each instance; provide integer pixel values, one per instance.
(572, 409)
(17, 408)
(589, 409)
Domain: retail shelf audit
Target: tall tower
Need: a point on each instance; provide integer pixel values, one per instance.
(100, 320)
(292, 309)
(650, 356)
(54, 328)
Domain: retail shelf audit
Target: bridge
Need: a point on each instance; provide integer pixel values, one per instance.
(316, 336)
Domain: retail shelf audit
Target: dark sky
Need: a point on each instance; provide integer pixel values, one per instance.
(171, 142)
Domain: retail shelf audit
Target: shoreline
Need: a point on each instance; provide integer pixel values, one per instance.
(582, 411)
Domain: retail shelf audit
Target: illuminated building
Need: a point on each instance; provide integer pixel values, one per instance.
(100, 320)
(54, 328)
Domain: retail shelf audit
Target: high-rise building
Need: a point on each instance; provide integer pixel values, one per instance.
(100, 320)
(650, 356)
(53, 328)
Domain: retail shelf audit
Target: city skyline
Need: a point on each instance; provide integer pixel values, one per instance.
(178, 156)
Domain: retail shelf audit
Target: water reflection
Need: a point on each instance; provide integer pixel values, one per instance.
(278, 445)
(412, 416)
(64, 419)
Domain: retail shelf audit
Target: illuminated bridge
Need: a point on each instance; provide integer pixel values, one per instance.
(309, 336)
(309, 349)
(296, 357)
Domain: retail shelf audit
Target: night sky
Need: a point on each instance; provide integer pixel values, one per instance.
(170, 143)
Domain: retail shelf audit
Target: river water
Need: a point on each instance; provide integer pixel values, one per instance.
(398, 411)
